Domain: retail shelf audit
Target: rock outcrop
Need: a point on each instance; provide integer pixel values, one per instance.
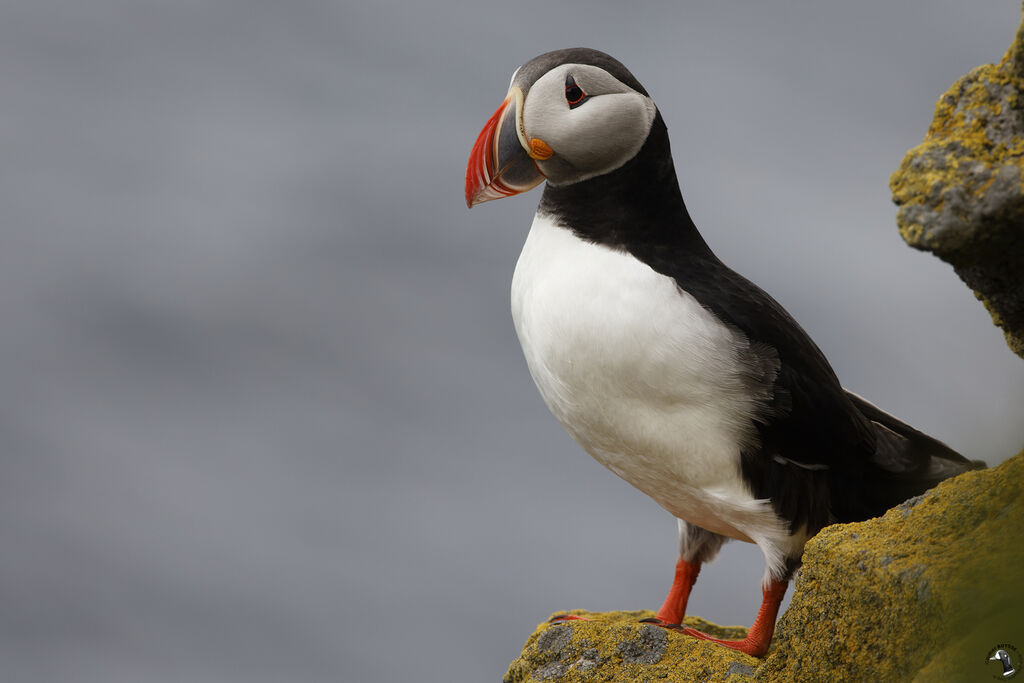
(927, 589)
(961, 191)
(922, 593)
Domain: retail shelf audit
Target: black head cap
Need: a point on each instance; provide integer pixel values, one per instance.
(538, 66)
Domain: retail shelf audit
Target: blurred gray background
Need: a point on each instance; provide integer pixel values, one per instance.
(264, 414)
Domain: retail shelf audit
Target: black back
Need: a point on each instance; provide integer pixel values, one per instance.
(818, 458)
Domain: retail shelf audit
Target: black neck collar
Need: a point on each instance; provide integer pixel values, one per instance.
(636, 206)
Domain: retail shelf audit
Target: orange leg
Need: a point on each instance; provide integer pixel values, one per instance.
(674, 608)
(759, 637)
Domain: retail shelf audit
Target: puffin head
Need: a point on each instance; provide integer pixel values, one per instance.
(569, 115)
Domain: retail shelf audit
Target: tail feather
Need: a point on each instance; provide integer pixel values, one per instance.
(905, 449)
(908, 461)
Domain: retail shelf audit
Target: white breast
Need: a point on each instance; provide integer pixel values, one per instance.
(641, 375)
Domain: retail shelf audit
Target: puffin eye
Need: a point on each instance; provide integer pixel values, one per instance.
(574, 94)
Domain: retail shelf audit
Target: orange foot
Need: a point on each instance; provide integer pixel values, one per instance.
(665, 625)
(559, 618)
(755, 647)
(759, 637)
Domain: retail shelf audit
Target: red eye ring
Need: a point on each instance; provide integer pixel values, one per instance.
(574, 94)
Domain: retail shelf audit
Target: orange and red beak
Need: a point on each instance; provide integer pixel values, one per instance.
(500, 165)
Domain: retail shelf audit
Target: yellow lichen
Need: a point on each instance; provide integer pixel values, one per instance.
(615, 646)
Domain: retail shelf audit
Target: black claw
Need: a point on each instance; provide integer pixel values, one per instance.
(678, 628)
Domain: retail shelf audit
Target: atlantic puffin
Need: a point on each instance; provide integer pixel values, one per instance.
(671, 370)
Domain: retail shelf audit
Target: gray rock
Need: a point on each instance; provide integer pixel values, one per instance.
(961, 191)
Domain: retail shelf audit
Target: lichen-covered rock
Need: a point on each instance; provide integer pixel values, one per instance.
(922, 593)
(616, 647)
(961, 191)
(925, 590)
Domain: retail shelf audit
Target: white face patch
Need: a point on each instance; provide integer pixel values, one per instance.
(593, 138)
